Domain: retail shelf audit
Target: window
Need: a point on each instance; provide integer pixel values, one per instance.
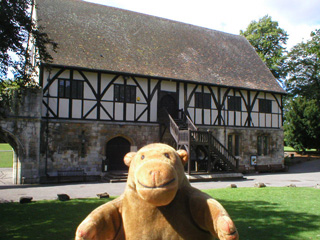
(203, 100)
(234, 103)
(263, 145)
(70, 88)
(265, 106)
(234, 144)
(124, 93)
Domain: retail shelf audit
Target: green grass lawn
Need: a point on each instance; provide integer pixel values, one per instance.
(6, 157)
(259, 214)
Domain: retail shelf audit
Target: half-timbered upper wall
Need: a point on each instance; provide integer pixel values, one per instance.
(87, 95)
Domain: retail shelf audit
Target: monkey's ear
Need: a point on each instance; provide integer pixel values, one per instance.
(183, 154)
(128, 158)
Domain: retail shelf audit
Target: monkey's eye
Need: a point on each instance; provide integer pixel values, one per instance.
(142, 157)
(167, 155)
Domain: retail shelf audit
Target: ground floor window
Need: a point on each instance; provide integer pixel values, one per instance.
(263, 145)
(234, 144)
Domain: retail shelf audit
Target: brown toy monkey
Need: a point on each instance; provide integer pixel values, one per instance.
(158, 203)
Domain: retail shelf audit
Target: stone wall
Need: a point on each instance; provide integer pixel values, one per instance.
(82, 144)
(248, 144)
(21, 129)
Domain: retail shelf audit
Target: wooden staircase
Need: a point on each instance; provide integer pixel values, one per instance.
(205, 151)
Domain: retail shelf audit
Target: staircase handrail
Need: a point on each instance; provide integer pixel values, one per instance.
(208, 138)
(174, 129)
(191, 125)
(224, 151)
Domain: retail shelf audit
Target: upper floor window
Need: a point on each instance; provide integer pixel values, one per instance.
(265, 106)
(202, 100)
(234, 103)
(124, 93)
(263, 145)
(70, 88)
(234, 144)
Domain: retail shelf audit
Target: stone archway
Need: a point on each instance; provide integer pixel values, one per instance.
(18, 153)
(116, 148)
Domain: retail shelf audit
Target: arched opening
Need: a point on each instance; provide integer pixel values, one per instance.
(10, 166)
(116, 149)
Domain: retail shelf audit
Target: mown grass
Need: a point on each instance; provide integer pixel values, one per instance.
(6, 158)
(259, 213)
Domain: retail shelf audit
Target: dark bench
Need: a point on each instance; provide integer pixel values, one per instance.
(269, 168)
(71, 175)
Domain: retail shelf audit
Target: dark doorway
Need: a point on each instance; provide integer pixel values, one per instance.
(167, 104)
(116, 149)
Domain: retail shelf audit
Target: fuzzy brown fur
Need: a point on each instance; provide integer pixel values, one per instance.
(158, 203)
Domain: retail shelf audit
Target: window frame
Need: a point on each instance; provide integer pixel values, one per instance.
(124, 93)
(265, 105)
(70, 88)
(202, 100)
(263, 144)
(234, 103)
(234, 144)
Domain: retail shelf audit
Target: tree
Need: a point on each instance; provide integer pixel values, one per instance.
(302, 125)
(269, 41)
(303, 68)
(18, 31)
(16, 28)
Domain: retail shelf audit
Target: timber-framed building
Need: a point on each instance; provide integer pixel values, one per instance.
(121, 79)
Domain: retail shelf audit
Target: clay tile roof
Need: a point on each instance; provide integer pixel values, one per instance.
(105, 38)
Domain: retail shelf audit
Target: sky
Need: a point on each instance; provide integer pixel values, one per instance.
(297, 17)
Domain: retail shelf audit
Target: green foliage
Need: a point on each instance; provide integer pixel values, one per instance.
(269, 41)
(17, 27)
(264, 214)
(302, 126)
(18, 33)
(303, 68)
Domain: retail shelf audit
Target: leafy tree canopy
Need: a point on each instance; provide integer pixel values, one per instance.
(18, 33)
(269, 41)
(16, 27)
(303, 68)
(302, 125)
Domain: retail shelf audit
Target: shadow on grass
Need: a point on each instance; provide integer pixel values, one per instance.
(266, 221)
(44, 219)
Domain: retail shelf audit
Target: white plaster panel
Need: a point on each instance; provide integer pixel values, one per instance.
(105, 80)
(275, 120)
(118, 111)
(238, 119)
(262, 119)
(53, 89)
(244, 118)
(207, 116)
(198, 116)
(154, 108)
(140, 109)
(268, 120)
(108, 94)
(231, 118)
(169, 86)
(76, 108)
(214, 116)
(87, 105)
(109, 107)
(191, 112)
(64, 108)
(65, 74)
(130, 112)
(255, 119)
